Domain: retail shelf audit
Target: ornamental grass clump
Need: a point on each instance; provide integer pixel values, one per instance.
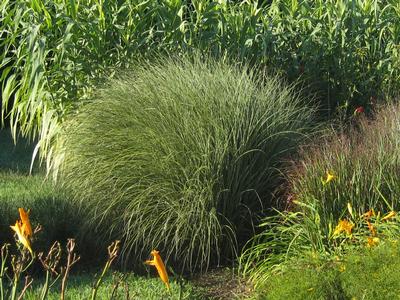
(180, 155)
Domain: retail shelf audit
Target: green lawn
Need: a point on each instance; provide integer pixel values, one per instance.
(80, 287)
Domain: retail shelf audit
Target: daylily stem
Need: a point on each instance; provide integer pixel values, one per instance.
(14, 288)
(112, 254)
(45, 289)
(98, 282)
(4, 254)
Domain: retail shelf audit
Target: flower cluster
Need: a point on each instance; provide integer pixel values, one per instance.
(372, 221)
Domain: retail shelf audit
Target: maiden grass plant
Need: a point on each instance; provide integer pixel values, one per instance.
(181, 155)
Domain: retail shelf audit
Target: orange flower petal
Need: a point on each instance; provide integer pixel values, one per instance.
(21, 237)
(159, 264)
(26, 224)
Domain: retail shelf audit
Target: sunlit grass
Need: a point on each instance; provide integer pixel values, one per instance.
(362, 274)
(48, 204)
(80, 287)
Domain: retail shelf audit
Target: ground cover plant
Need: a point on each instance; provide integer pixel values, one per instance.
(368, 273)
(181, 155)
(54, 53)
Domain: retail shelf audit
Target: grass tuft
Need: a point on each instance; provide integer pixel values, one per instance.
(181, 156)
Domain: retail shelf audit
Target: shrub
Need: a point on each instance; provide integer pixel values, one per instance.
(181, 155)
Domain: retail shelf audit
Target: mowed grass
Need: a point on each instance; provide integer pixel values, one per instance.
(80, 287)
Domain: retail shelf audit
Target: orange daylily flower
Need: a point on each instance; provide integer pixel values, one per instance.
(345, 226)
(21, 236)
(26, 224)
(389, 216)
(158, 263)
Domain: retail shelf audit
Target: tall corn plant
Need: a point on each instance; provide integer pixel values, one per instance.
(55, 52)
(347, 50)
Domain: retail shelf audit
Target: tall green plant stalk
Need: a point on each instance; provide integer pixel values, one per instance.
(113, 250)
(3, 269)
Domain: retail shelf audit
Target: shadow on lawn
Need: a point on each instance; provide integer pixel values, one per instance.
(49, 204)
(15, 157)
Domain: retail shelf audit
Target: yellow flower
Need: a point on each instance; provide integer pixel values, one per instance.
(21, 237)
(329, 177)
(158, 263)
(345, 226)
(26, 224)
(372, 241)
(389, 216)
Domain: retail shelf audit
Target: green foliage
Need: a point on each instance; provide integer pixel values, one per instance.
(302, 281)
(371, 274)
(55, 52)
(362, 274)
(284, 236)
(181, 156)
(365, 162)
(80, 287)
